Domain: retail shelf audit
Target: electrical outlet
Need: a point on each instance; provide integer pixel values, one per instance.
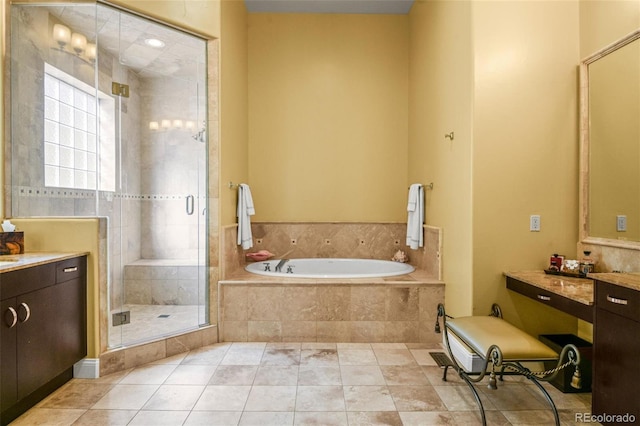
(534, 223)
(621, 223)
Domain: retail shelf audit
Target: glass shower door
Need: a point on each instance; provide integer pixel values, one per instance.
(157, 228)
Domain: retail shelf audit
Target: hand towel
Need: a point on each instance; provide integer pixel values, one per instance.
(415, 216)
(245, 210)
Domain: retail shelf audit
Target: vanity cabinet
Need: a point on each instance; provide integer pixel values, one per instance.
(43, 331)
(616, 379)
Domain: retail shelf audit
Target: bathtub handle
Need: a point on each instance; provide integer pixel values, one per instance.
(190, 204)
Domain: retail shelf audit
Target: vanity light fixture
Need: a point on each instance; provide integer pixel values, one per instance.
(154, 42)
(74, 43)
(153, 125)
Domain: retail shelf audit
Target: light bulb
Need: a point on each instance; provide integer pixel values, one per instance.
(78, 43)
(91, 51)
(61, 34)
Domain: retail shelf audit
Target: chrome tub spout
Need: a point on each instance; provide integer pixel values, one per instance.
(281, 264)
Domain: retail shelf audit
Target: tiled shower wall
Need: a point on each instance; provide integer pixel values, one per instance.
(333, 240)
(147, 216)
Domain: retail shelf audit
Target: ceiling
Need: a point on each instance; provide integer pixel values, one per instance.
(123, 36)
(401, 7)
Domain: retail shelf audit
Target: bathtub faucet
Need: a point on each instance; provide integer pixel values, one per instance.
(281, 264)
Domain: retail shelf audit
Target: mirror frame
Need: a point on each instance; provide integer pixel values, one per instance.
(583, 232)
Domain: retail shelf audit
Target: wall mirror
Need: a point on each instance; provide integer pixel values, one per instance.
(610, 145)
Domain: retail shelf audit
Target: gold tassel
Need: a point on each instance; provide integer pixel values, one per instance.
(576, 380)
(493, 384)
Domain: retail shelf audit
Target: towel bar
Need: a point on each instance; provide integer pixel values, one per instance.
(428, 186)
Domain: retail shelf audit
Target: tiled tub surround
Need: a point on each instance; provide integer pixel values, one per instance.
(334, 240)
(396, 309)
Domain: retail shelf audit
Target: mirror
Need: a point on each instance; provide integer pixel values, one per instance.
(610, 145)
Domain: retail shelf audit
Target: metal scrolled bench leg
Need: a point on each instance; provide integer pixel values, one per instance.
(491, 338)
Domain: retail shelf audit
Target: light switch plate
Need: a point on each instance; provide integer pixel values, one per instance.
(621, 223)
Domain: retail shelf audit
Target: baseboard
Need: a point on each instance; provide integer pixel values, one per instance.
(87, 368)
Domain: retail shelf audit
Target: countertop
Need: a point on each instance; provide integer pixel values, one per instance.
(629, 280)
(15, 262)
(577, 289)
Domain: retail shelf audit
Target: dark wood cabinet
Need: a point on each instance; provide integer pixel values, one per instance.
(43, 331)
(616, 379)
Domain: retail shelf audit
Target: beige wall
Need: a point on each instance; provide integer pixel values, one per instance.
(487, 82)
(328, 117)
(234, 99)
(525, 150)
(440, 102)
(602, 22)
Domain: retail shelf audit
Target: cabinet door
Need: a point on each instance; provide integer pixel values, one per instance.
(616, 380)
(9, 390)
(52, 338)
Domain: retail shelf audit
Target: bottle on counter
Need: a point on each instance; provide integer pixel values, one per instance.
(555, 262)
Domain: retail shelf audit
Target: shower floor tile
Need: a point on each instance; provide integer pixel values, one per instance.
(153, 321)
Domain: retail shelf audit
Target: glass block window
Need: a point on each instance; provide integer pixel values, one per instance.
(73, 147)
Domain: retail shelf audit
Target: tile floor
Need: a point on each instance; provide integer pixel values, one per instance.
(297, 384)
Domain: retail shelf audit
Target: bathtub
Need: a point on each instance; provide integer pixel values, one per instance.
(331, 268)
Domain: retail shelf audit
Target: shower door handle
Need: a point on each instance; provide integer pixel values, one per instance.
(190, 204)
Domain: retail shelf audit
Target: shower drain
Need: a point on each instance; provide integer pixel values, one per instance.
(164, 316)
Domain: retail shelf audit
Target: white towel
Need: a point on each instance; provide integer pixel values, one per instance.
(245, 210)
(415, 217)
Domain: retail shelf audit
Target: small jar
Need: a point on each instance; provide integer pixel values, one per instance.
(587, 265)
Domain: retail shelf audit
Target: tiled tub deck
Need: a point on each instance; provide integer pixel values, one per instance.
(256, 308)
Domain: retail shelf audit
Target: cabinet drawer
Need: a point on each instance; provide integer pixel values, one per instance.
(619, 300)
(580, 310)
(27, 280)
(70, 269)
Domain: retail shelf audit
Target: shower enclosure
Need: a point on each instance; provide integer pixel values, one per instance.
(108, 119)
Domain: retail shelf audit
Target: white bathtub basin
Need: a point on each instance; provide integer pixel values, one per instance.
(331, 268)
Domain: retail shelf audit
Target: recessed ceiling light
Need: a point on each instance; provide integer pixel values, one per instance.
(154, 42)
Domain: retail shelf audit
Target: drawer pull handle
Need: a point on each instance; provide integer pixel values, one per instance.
(71, 269)
(617, 301)
(27, 312)
(543, 297)
(14, 320)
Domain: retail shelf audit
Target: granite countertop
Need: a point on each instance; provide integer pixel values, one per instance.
(15, 262)
(629, 280)
(577, 289)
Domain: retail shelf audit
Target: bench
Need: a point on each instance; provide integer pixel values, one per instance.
(501, 345)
